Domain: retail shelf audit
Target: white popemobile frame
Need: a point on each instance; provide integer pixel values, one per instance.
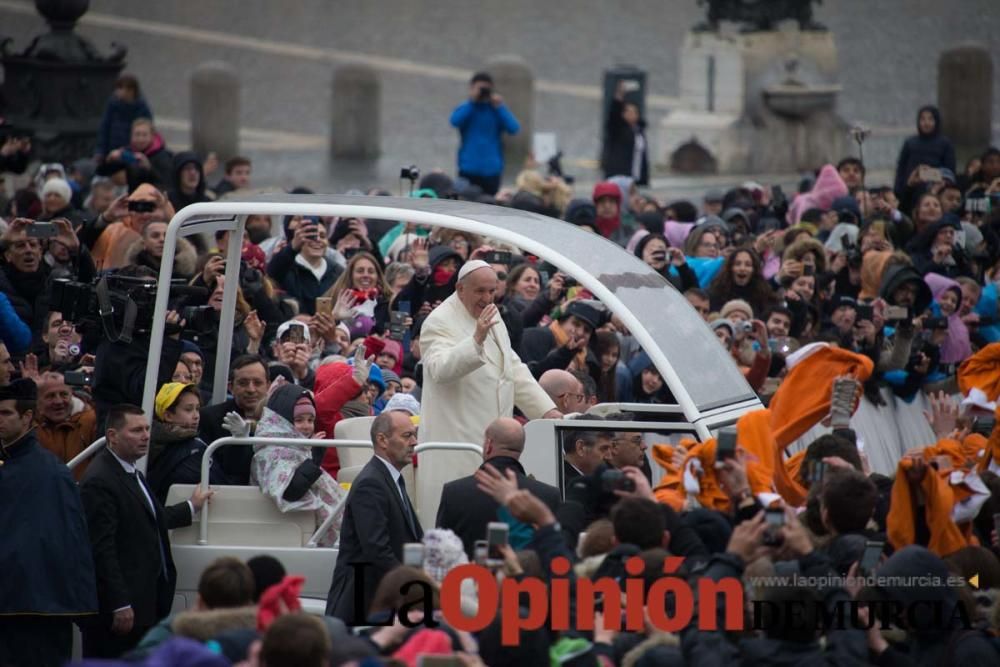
(711, 393)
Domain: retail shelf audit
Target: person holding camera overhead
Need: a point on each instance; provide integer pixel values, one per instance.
(481, 122)
(626, 151)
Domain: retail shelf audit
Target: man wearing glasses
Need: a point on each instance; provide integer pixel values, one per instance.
(564, 390)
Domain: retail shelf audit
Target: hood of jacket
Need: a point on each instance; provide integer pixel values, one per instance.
(283, 399)
(916, 563)
(185, 259)
(896, 275)
(205, 625)
(181, 159)
(937, 120)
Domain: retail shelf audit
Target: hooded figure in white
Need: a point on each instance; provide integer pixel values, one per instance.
(471, 377)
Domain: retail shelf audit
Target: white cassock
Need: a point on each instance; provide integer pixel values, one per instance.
(466, 387)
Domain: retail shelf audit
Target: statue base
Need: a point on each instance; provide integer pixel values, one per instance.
(761, 102)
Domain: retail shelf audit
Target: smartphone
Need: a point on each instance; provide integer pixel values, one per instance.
(480, 551)
(725, 444)
(142, 206)
(629, 85)
(413, 554)
(870, 557)
(865, 312)
(397, 324)
(942, 463)
(936, 323)
(775, 521)
(78, 379)
(324, 305)
(808, 270)
(897, 313)
(349, 252)
(497, 257)
(496, 537)
(41, 230)
(815, 471)
(930, 175)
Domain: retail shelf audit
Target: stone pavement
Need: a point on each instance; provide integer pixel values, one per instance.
(425, 52)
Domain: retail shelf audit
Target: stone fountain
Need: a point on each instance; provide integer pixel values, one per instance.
(758, 93)
(57, 87)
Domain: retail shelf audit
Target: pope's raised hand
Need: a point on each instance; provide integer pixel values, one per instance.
(485, 322)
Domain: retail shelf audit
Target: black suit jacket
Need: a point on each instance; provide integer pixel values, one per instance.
(233, 461)
(125, 537)
(373, 532)
(466, 510)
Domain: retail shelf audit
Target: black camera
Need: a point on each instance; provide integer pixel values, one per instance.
(199, 319)
(122, 305)
(142, 206)
(615, 480)
(932, 323)
(485, 94)
(410, 173)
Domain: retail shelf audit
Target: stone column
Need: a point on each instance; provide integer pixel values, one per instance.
(515, 82)
(215, 110)
(965, 98)
(356, 114)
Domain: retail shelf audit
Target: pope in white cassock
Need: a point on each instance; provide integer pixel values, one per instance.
(471, 377)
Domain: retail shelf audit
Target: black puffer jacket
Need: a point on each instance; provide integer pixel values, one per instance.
(175, 458)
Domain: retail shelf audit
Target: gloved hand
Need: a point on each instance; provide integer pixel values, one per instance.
(362, 366)
(235, 424)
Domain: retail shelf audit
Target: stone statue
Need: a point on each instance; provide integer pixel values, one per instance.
(758, 15)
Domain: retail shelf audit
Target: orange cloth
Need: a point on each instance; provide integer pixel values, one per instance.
(939, 499)
(992, 452)
(982, 371)
(802, 400)
(561, 338)
(872, 267)
(112, 245)
(671, 490)
(69, 438)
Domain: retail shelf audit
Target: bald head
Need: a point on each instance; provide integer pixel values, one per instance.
(504, 437)
(564, 390)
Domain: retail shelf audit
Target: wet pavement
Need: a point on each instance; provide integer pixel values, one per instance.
(286, 52)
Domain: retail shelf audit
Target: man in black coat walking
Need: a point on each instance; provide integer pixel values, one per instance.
(43, 528)
(466, 510)
(128, 535)
(378, 521)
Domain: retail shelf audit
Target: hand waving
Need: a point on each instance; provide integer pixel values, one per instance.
(362, 366)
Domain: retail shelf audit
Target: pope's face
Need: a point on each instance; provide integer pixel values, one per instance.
(477, 290)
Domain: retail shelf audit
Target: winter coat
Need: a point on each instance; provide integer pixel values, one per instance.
(274, 466)
(14, 332)
(175, 458)
(185, 258)
(334, 388)
(933, 150)
(69, 438)
(481, 126)
(115, 130)
(298, 281)
(177, 197)
(619, 146)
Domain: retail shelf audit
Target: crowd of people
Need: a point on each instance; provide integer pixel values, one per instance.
(864, 315)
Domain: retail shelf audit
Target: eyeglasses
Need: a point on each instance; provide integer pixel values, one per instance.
(637, 441)
(578, 397)
(501, 275)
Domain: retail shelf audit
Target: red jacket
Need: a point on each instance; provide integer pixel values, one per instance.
(335, 386)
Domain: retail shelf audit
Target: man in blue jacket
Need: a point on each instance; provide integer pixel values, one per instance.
(481, 121)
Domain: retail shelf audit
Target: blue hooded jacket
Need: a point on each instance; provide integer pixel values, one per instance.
(482, 126)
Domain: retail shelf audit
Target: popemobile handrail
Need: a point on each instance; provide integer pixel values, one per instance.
(448, 446)
(206, 461)
(91, 449)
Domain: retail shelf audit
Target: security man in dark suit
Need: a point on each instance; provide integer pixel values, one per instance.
(128, 535)
(466, 510)
(378, 520)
